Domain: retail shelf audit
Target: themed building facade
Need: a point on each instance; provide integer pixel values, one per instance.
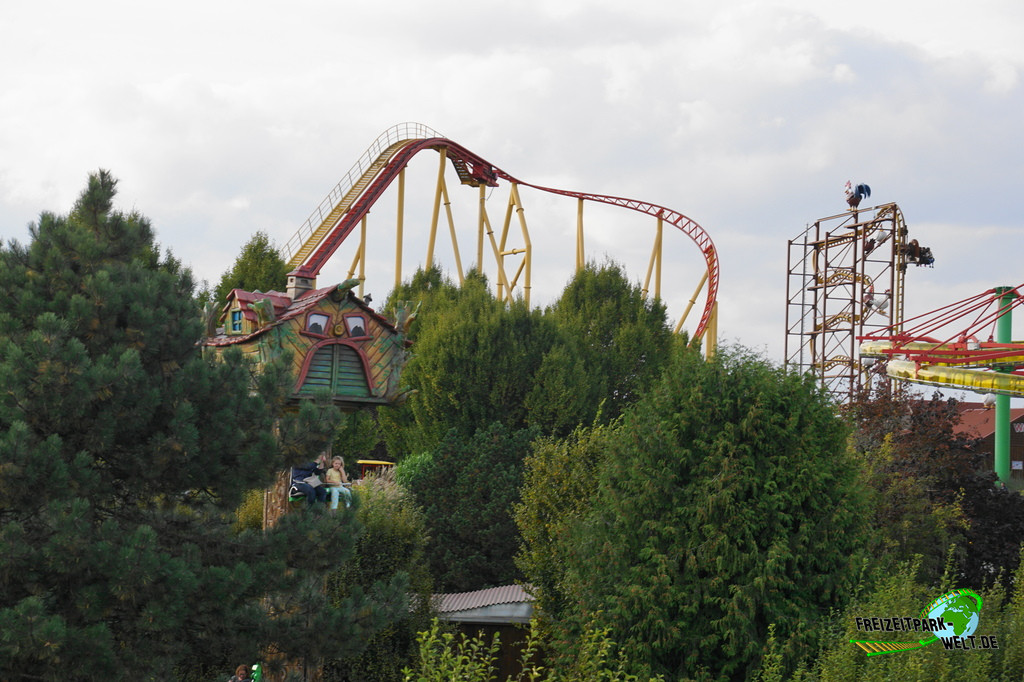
(338, 343)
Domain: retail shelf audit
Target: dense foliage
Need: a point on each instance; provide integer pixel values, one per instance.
(560, 484)
(478, 360)
(444, 656)
(123, 452)
(726, 502)
(467, 488)
(259, 267)
(904, 592)
(621, 335)
(933, 490)
(392, 540)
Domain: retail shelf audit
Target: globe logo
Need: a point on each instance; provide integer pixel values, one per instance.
(959, 611)
(951, 619)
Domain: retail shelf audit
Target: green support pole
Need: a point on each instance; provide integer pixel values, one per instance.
(1004, 333)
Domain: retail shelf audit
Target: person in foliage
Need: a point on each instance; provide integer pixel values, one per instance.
(306, 480)
(241, 674)
(337, 482)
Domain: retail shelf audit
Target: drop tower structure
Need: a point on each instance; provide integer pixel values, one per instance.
(845, 278)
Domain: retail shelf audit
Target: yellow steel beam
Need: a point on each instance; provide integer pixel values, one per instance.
(654, 266)
(499, 261)
(437, 207)
(693, 299)
(451, 230)
(362, 254)
(580, 257)
(481, 213)
(528, 254)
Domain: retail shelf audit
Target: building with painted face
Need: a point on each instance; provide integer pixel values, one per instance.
(338, 344)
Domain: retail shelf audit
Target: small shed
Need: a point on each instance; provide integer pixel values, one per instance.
(502, 605)
(504, 610)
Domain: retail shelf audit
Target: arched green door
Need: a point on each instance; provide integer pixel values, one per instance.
(338, 368)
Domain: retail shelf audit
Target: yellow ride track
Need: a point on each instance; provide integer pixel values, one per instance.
(950, 374)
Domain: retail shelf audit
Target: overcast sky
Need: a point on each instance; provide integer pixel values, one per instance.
(223, 118)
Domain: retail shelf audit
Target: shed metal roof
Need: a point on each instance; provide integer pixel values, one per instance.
(464, 601)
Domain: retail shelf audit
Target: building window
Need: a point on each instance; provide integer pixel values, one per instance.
(316, 323)
(356, 325)
(236, 321)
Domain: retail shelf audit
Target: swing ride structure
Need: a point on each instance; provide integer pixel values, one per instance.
(505, 250)
(965, 345)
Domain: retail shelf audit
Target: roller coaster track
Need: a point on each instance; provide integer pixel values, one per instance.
(345, 206)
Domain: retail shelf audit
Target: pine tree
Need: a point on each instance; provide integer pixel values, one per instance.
(123, 452)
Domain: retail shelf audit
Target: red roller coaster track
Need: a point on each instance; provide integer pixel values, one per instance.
(474, 170)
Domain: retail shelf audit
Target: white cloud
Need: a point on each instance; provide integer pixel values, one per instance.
(224, 118)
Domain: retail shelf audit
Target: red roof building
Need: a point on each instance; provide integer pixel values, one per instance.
(338, 344)
(979, 421)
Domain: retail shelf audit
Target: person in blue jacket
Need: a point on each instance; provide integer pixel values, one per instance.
(304, 482)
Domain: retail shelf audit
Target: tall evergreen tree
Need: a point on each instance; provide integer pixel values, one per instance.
(476, 360)
(623, 337)
(726, 502)
(123, 452)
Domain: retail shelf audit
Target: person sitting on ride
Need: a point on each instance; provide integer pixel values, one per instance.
(306, 480)
(337, 482)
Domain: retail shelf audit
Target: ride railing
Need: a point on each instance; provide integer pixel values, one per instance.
(396, 133)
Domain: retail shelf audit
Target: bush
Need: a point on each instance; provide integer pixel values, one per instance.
(249, 515)
(392, 541)
(467, 488)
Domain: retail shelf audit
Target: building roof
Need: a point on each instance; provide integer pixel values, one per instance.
(980, 421)
(505, 604)
(285, 309)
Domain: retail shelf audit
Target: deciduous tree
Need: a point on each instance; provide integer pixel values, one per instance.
(933, 489)
(259, 267)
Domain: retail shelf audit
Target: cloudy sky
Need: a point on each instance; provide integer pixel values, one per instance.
(226, 117)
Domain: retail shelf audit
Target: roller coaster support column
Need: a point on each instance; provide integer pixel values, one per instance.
(399, 227)
(1004, 332)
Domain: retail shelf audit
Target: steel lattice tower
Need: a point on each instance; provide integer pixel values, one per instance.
(845, 277)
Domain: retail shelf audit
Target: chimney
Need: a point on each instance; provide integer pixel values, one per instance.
(299, 284)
